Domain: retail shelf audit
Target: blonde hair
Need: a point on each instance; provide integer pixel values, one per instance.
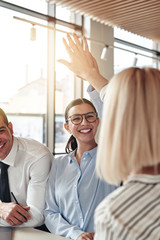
(130, 130)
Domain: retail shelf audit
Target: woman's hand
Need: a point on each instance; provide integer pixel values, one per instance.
(82, 63)
(81, 60)
(86, 236)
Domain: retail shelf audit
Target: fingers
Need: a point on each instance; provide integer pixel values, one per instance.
(81, 61)
(90, 235)
(74, 45)
(67, 47)
(15, 214)
(66, 63)
(26, 208)
(75, 48)
(86, 45)
(19, 215)
(16, 219)
(78, 43)
(86, 236)
(22, 211)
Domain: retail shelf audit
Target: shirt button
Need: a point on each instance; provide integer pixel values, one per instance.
(75, 185)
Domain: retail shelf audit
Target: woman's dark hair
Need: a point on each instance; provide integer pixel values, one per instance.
(5, 119)
(72, 143)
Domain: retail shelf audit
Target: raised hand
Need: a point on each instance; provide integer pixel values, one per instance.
(82, 63)
(81, 60)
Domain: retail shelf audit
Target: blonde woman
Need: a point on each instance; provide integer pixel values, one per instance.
(129, 147)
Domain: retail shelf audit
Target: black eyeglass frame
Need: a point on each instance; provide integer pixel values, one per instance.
(81, 115)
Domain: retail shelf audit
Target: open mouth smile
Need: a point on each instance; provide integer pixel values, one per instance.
(2, 145)
(85, 130)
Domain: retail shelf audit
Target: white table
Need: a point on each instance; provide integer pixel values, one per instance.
(33, 234)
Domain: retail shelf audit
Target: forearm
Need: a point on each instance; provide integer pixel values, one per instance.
(59, 226)
(37, 218)
(36, 192)
(95, 79)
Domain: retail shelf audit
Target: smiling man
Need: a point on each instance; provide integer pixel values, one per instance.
(28, 167)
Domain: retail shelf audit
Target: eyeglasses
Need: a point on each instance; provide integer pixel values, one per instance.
(78, 118)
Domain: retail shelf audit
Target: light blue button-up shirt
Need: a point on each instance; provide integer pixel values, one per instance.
(73, 193)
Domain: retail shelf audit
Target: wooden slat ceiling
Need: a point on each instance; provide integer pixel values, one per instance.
(141, 17)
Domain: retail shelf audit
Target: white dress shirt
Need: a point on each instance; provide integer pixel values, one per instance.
(29, 165)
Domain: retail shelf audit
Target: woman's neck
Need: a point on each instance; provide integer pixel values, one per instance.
(151, 170)
(83, 148)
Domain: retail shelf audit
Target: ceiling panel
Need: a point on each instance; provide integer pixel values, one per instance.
(141, 17)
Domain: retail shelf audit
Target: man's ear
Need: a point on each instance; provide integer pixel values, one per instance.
(66, 126)
(10, 126)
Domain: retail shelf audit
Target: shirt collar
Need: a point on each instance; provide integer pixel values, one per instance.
(92, 152)
(10, 159)
(145, 178)
(89, 153)
(72, 156)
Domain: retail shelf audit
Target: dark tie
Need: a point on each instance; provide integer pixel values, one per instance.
(4, 185)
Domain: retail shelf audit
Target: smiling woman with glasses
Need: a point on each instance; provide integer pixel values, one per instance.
(73, 190)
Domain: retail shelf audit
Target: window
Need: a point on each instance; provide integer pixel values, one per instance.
(126, 44)
(24, 74)
(36, 88)
(34, 5)
(63, 95)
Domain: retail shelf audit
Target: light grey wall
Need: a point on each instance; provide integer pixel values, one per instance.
(101, 34)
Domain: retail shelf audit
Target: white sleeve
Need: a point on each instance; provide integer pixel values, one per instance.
(103, 92)
(39, 173)
(95, 98)
(35, 191)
